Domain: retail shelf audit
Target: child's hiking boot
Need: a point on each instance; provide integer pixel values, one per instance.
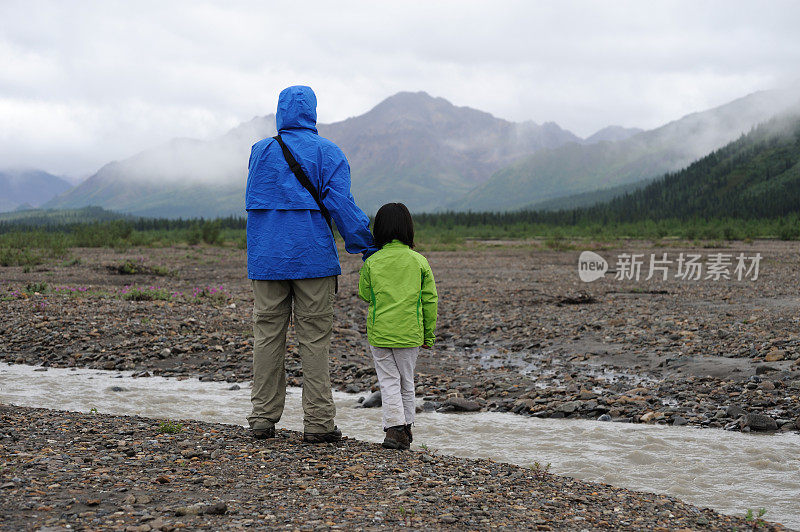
(408, 432)
(396, 438)
(323, 437)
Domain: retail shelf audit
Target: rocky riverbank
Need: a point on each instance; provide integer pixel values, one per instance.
(62, 470)
(518, 331)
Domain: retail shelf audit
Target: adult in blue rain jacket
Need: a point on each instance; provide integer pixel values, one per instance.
(293, 263)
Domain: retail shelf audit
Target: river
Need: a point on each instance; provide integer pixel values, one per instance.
(727, 471)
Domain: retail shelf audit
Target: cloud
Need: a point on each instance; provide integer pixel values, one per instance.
(85, 83)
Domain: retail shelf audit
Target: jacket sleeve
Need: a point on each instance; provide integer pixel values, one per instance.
(351, 221)
(430, 303)
(364, 283)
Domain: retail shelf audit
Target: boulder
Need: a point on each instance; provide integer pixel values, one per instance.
(758, 422)
(569, 407)
(775, 356)
(459, 404)
(374, 400)
(734, 411)
(679, 421)
(430, 406)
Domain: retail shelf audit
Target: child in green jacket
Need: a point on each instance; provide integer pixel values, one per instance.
(399, 287)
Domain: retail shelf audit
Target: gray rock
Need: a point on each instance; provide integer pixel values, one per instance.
(374, 400)
(604, 417)
(679, 421)
(234, 387)
(430, 406)
(767, 386)
(735, 411)
(194, 509)
(218, 508)
(569, 407)
(758, 422)
(117, 389)
(459, 404)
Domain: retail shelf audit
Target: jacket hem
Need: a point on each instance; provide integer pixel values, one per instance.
(293, 277)
(393, 345)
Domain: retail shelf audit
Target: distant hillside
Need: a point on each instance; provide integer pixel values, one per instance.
(411, 147)
(423, 150)
(50, 217)
(587, 199)
(575, 168)
(756, 176)
(31, 187)
(183, 178)
(612, 134)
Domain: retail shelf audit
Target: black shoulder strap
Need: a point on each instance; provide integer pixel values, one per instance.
(303, 178)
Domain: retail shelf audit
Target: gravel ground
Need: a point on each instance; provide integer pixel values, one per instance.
(518, 331)
(62, 470)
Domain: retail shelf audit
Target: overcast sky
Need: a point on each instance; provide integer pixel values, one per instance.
(83, 83)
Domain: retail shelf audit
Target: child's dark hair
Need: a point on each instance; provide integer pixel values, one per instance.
(393, 222)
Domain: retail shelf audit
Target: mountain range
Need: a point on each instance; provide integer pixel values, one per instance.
(411, 147)
(430, 154)
(579, 168)
(28, 188)
(757, 176)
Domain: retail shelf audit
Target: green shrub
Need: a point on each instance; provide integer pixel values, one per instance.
(789, 231)
(152, 293)
(138, 267)
(193, 237)
(18, 257)
(36, 287)
(210, 232)
(169, 427)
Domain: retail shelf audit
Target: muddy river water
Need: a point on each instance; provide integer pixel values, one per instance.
(727, 471)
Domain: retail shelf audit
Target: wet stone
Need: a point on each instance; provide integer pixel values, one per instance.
(759, 422)
(460, 404)
(373, 400)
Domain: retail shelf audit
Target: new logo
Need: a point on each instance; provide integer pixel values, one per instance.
(591, 266)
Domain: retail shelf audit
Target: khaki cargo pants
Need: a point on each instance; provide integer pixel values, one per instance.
(313, 321)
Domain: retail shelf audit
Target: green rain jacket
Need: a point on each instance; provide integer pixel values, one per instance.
(398, 284)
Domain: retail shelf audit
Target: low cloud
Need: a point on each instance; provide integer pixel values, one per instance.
(83, 84)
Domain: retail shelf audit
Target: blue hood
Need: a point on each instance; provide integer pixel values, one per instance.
(297, 108)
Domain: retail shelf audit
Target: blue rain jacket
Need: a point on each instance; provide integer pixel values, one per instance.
(287, 236)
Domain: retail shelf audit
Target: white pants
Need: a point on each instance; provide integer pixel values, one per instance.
(395, 369)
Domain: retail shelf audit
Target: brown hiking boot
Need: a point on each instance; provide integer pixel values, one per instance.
(262, 431)
(408, 431)
(264, 434)
(323, 437)
(396, 438)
